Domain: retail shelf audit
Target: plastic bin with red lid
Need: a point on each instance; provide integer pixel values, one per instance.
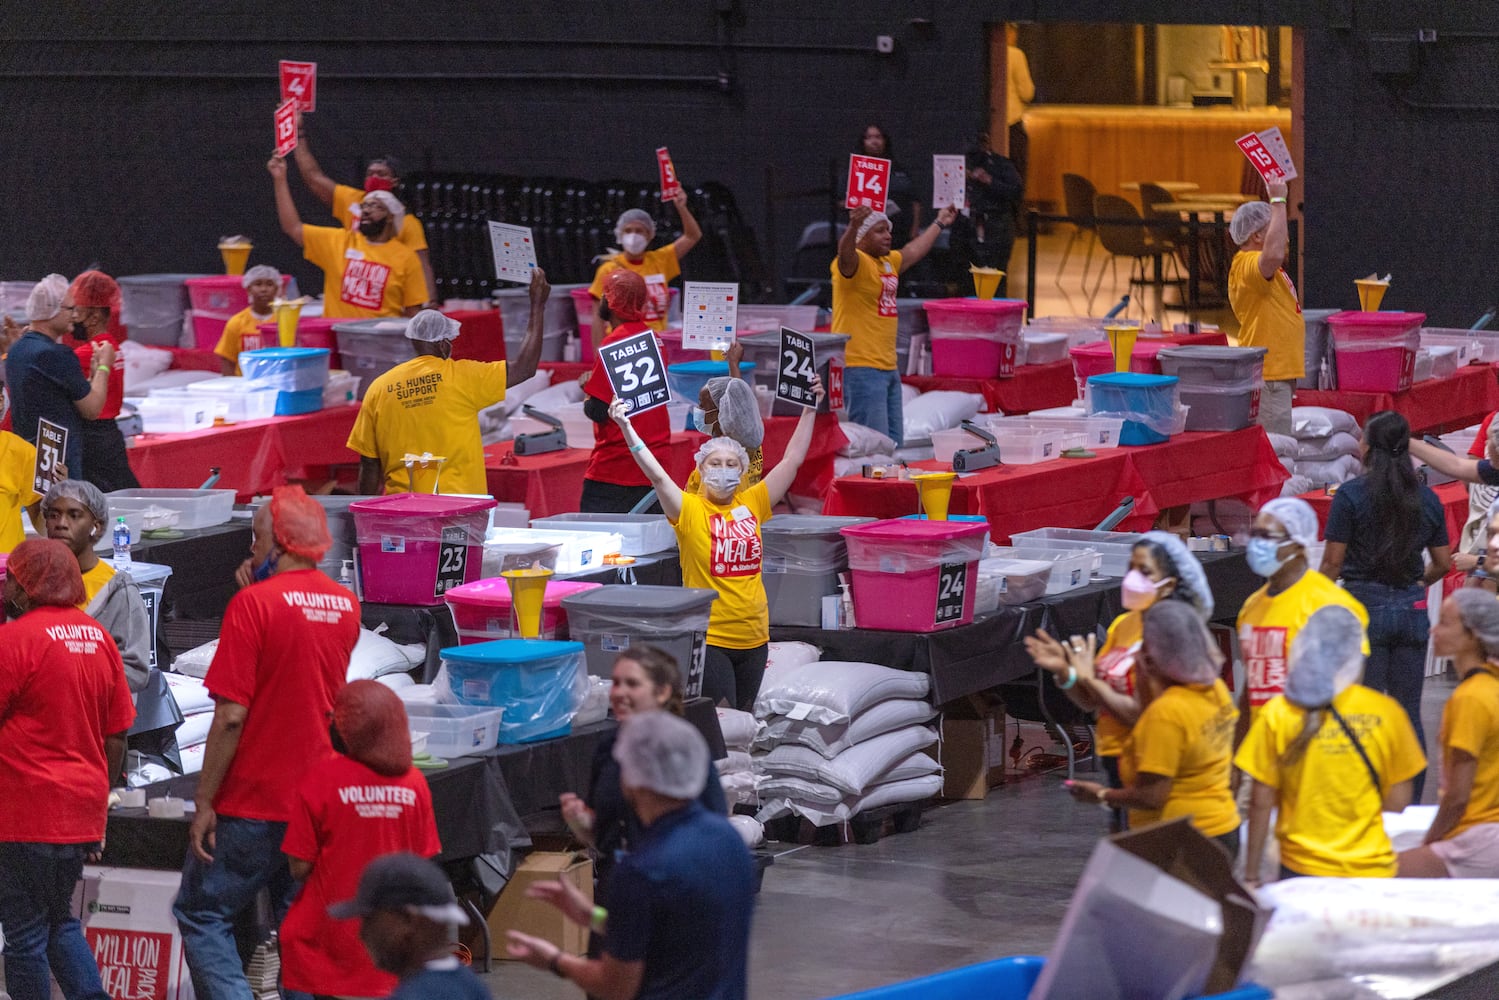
(415, 547)
(215, 299)
(974, 338)
(312, 331)
(914, 576)
(1375, 351)
(481, 610)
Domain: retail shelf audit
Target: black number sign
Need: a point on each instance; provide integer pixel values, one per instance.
(636, 373)
(452, 559)
(952, 585)
(798, 369)
(51, 447)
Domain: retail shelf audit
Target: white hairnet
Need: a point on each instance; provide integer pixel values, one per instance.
(663, 754)
(85, 493)
(261, 272)
(1479, 613)
(1328, 655)
(1297, 517)
(431, 326)
(392, 205)
(45, 300)
(1191, 581)
(1249, 218)
(875, 218)
(630, 215)
(738, 410)
(724, 444)
(1178, 644)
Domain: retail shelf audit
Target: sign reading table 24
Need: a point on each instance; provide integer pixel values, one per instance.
(868, 182)
(636, 373)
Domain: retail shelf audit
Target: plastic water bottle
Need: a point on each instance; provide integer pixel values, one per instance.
(121, 543)
(346, 574)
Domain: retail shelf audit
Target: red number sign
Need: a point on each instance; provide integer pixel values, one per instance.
(835, 384)
(299, 83)
(670, 186)
(868, 182)
(286, 128)
(1261, 158)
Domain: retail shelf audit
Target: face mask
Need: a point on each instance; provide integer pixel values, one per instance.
(80, 332)
(1138, 591)
(12, 610)
(1264, 556)
(722, 481)
(265, 567)
(373, 183)
(372, 228)
(633, 244)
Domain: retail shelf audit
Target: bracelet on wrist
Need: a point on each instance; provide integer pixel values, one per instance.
(1103, 796)
(634, 448)
(598, 920)
(1277, 201)
(1071, 679)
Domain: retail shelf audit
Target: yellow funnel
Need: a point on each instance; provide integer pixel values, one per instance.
(1371, 293)
(936, 491)
(287, 314)
(1122, 343)
(235, 256)
(986, 280)
(528, 591)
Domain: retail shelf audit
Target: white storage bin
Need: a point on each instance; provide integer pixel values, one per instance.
(1096, 432)
(1472, 345)
(456, 730)
(1009, 581)
(174, 415)
(234, 399)
(1068, 569)
(577, 550)
(196, 508)
(1038, 347)
(1000, 426)
(1113, 547)
(342, 388)
(1028, 445)
(640, 534)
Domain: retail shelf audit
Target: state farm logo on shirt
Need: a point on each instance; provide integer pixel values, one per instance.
(1264, 662)
(1117, 668)
(319, 607)
(734, 546)
(364, 283)
(83, 639)
(377, 801)
(888, 284)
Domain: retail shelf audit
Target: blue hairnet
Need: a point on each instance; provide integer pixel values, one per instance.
(1328, 655)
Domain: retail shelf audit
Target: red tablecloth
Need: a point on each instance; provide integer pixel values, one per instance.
(566, 371)
(816, 474)
(481, 336)
(1079, 493)
(1433, 407)
(1034, 387)
(254, 457)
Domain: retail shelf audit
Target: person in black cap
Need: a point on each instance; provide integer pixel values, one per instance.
(407, 914)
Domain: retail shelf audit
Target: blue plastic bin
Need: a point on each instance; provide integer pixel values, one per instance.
(290, 369)
(1152, 398)
(532, 680)
(289, 404)
(1001, 979)
(688, 378)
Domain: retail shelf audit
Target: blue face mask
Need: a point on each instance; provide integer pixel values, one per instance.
(1264, 556)
(265, 568)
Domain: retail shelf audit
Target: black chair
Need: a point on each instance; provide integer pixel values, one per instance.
(1077, 198)
(1128, 236)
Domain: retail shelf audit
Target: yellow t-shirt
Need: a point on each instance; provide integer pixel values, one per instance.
(1268, 626)
(1187, 735)
(1470, 723)
(1269, 316)
(721, 550)
(658, 267)
(1329, 816)
(242, 326)
(363, 280)
(864, 308)
(429, 405)
(1115, 664)
(94, 581)
(17, 475)
(346, 198)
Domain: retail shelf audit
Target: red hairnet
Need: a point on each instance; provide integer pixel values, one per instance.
(97, 290)
(371, 721)
(48, 571)
(625, 292)
(299, 524)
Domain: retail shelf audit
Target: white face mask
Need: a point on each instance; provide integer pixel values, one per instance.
(723, 481)
(633, 243)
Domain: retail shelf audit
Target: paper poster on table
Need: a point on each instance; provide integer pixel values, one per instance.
(286, 128)
(1269, 154)
(670, 186)
(868, 182)
(514, 252)
(299, 83)
(949, 182)
(710, 315)
(636, 373)
(798, 369)
(51, 449)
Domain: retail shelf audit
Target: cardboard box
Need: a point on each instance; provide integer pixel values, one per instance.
(128, 924)
(514, 912)
(973, 750)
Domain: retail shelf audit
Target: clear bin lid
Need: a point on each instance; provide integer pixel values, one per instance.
(387, 325)
(1213, 352)
(422, 504)
(624, 597)
(809, 524)
(820, 340)
(511, 651)
(579, 518)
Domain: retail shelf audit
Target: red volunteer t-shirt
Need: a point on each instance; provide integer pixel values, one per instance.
(62, 690)
(612, 461)
(283, 654)
(345, 816)
(116, 394)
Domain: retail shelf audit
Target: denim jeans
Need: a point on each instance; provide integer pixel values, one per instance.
(43, 937)
(246, 859)
(872, 399)
(1398, 631)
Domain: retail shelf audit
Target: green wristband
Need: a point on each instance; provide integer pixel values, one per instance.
(599, 919)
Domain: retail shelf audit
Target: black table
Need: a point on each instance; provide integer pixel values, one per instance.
(203, 562)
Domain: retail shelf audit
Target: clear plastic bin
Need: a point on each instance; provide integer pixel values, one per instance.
(414, 546)
(1069, 569)
(502, 556)
(153, 307)
(456, 730)
(368, 348)
(577, 550)
(288, 369)
(234, 399)
(1375, 351)
(898, 569)
(610, 619)
(640, 534)
(1010, 581)
(1113, 547)
(539, 685)
(174, 414)
(1038, 347)
(196, 508)
(1019, 443)
(803, 556)
(1094, 433)
(1473, 345)
(1150, 405)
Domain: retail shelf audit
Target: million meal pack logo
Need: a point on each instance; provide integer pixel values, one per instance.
(735, 545)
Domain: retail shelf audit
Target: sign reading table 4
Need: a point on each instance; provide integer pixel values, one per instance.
(868, 182)
(636, 373)
(299, 83)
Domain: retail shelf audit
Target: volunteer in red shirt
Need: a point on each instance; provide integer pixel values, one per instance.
(613, 483)
(357, 805)
(282, 657)
(96, 319)
(64, 709)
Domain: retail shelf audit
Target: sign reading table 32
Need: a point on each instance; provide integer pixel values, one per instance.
(636, 373)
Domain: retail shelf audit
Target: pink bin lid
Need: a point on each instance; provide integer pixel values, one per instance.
(1142, 349)
(422, 505)
(1000, 307)
(902, 530)
(303, 323)
(1386, 321)
(216, 281)
(495, 592)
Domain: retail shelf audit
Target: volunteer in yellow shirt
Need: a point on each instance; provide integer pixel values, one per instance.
(866, 274)
(366, 272)
(718, 532)
(1178, 759)
(1284, 530)
(242, 332)
(1328, 756)
(1264, 299)
(17, 493)
(1463, 839)
(381, 174)
(429, 406)
(659, 267)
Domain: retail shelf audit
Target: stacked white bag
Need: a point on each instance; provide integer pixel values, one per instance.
(1327, 443)
(196, 705)
(736, 771)
(839, 738)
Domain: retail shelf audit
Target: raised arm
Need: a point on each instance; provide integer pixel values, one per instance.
(312, 175)
(1273, 256)
(90, 406)
(286, 209)
(1448, 464)
(848, 243)
(668, 493)
(523, 365)
(779, 479)
(691, 231)
(918, 248)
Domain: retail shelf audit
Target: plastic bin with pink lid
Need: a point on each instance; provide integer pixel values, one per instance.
(1375, 351)
(312, 331)
(415, 547)
(914, 576)
(975, 338)
(214, 300)
(481, 610)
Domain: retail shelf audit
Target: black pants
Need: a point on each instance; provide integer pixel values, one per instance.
(1020, 152)
(609, 498)
(105, 463)
(1229, 842)
(733, 676)
(1118, 815)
